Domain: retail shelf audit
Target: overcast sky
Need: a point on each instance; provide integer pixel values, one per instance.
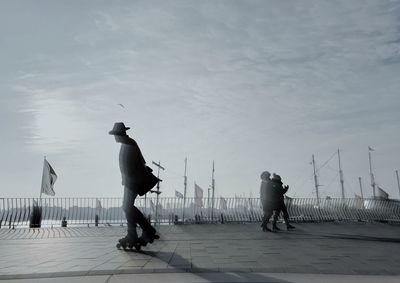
(253, 85)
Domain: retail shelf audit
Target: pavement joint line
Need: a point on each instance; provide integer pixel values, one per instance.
(193, 270)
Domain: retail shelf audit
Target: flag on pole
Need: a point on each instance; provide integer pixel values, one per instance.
(178, 194)
(370, 148)
(223, 204)
(98, 204)
(198, 195)
(49, 177)
(382, 194)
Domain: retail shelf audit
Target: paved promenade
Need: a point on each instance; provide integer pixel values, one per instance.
(314, 252)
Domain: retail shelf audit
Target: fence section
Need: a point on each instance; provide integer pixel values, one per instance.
(16, 212)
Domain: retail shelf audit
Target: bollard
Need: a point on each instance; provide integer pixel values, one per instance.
(96, 220)
(222, 218)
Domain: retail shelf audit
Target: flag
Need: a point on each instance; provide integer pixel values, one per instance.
(98, 204)
(178, 194)
(359, 202)
(198, 195)
(223, 204)
(382, 194)
(370, 148)
(49, 177)
(152, 207)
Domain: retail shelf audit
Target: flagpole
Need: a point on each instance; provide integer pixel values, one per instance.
(372, 174)
(184, 192)
(213, 194)
(315, 180)
(40, 197)
(361, 190)
(158, 187)
(398, 182)
(341, 175)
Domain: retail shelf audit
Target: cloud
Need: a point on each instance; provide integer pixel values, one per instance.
(251, 84)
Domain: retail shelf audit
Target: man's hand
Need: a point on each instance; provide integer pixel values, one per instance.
(286, 188)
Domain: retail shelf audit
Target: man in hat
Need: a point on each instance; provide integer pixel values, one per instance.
(136, 179)
(279, 204)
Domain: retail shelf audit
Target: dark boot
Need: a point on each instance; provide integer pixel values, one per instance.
(148, 236)
(290, 227)
(265, 227)
(275, 228)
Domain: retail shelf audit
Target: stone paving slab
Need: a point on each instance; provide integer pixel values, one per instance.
(313, 248)
(216, 277)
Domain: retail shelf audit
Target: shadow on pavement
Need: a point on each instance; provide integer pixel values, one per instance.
(362, 238)
(213, 275)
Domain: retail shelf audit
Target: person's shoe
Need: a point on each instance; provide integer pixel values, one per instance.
(266, 229)
(275, 229)
(290, 227)
(149, 236)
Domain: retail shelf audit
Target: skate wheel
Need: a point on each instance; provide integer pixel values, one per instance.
(118, 246)
(138, 247)
(130, 246)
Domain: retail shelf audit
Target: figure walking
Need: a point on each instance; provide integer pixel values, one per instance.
(137, 179)
(266, 197)
(280, 190)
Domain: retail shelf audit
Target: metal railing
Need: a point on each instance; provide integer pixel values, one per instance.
(16, 212)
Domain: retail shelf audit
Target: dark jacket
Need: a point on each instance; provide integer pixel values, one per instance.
(277, 193)
(135, 174)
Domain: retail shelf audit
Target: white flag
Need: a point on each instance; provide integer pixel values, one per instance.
(49, 177)
(98, 204)
(222, 204)
(178, 194)
(358, 202)
(382, 194)
(198, 195)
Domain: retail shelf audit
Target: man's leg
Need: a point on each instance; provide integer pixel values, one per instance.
(286, 217)
(267, 215)
(128, 207)
(277, 212)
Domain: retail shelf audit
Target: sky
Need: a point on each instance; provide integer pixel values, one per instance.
(251, 85)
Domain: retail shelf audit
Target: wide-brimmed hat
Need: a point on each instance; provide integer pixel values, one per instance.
(119, 129)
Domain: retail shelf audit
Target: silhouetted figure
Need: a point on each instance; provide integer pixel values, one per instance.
(64, 222)
(137, 179)
(35, 219)
(266, 197)
(279, 204)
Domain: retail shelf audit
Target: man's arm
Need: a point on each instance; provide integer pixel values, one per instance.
(285, 189)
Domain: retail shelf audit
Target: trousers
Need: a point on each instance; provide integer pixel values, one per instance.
(134, 216)
(282, 208)
(267, 213)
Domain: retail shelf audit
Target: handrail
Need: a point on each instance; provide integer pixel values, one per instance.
(16, 212)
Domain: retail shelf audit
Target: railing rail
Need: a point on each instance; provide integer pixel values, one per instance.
(16, 212)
